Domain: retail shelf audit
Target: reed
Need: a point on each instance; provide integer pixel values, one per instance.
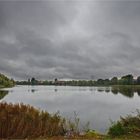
(22, 121)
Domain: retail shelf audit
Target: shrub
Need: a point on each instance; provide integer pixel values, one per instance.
(128, 125)
(116, 129)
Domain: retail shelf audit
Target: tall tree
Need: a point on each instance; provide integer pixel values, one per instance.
(127, 79)
(114, 81)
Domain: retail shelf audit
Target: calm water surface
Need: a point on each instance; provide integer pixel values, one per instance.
(98, 105)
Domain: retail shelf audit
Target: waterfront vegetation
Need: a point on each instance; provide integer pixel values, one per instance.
(129, 125)
(124, 80)
(3, 94)
(5, 81)
(24, 121)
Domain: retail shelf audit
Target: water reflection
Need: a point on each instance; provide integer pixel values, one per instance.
(55, 89)
(3, 94)
(32, 90)
(98, 105)
(127, 91)
(107, 90)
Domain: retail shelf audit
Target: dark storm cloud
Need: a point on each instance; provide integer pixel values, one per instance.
(69, 39)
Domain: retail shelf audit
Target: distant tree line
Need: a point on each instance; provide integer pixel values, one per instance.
(5, 81)
(34, 81)
(124, 80)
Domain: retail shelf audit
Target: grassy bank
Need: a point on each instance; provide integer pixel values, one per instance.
(91, 138)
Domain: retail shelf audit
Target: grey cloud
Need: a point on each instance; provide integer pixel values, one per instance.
(69, 39)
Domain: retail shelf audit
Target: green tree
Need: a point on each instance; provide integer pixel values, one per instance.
(106, 82)
(5, 81)
(100, 82)
(127, 79)
(114, 81)
(33, 81)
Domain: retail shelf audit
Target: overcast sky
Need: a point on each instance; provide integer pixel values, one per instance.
(69, 39)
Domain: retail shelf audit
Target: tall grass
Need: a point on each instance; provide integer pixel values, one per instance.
(22, 121)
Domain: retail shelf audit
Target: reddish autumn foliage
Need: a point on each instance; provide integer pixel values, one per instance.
(22, 121)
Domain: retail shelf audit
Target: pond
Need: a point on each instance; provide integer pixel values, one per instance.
(97, 105)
